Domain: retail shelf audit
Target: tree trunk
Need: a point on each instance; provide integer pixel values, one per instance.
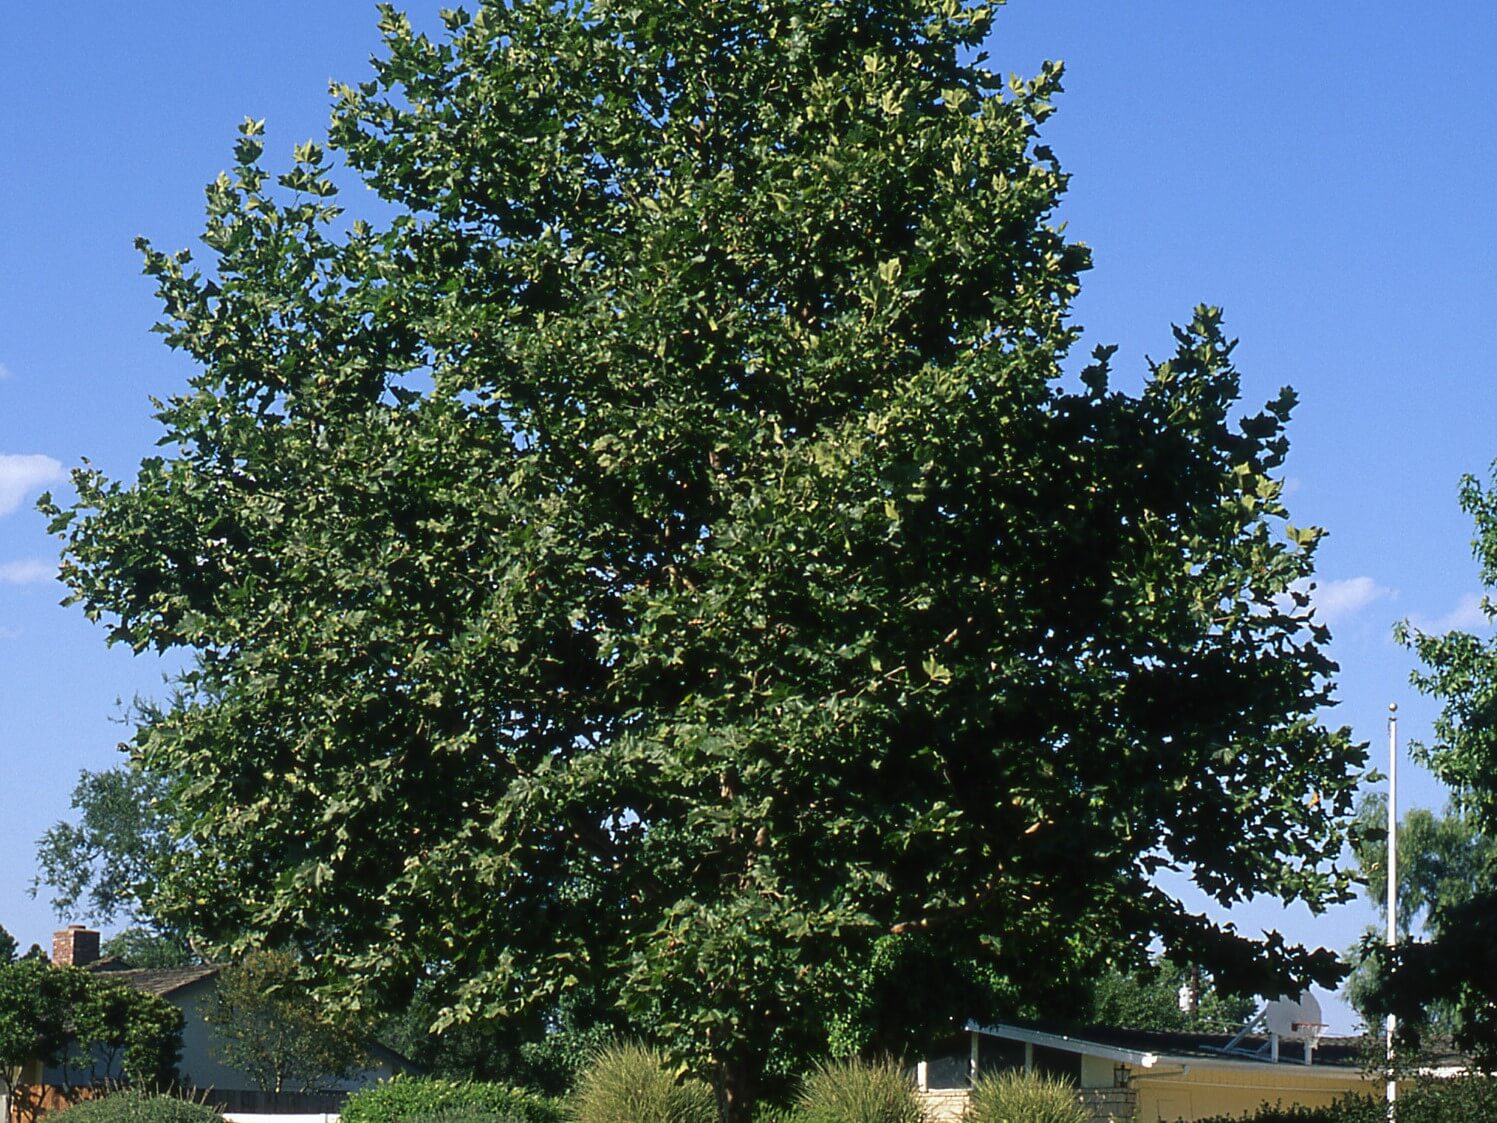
(736, 1090)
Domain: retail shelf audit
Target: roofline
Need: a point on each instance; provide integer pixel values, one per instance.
(1067, 1043)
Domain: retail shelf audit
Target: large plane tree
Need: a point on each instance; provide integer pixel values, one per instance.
(668, 552)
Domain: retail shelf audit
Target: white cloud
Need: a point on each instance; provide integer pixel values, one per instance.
(1466, 616)
(20, 476)
(28, 572)
(1339, 601)
(4, 372)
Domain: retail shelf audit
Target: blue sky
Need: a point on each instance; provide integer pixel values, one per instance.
(1320, 171)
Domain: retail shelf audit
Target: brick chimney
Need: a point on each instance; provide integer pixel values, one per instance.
(75, 945)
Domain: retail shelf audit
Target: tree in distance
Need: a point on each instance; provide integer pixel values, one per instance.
(270, 1027)
(101, 866)
(1449, 980)
(1444, 861)
(667, 557)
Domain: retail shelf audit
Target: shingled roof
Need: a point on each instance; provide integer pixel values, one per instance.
(153, 980)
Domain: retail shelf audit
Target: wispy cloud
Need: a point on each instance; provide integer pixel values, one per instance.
(1466, 616)
(1339, 601)
(20, 476)
(29, 572)
(4, 372)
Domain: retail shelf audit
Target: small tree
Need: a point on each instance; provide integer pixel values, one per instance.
(270, 1026)
(88, 1023)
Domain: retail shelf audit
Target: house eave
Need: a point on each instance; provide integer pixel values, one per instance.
(1151, 1061)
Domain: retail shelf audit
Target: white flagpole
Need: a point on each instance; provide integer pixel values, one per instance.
(1392, 880)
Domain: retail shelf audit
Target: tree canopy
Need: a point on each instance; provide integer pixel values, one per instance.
(270, 1027)
(670, 551)
(1443, 863)
(95, 1027)
(1453, 973)
(102, 866)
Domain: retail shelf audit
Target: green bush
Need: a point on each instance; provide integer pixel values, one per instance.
(131, 1106)
(403, 1099)
(1270, 1113)
(1024, 1097)
(633, 1083)
(858, 1092)
(1470, 1099)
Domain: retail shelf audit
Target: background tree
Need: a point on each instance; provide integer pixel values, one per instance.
(1443, 862)
(666, 556)
(93, 1026)
(102, 866)
(1452, 975)
(271, 1027)
(1150, 996)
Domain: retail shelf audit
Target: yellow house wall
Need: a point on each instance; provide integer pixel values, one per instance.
(1096, 1072)
(1201, 1094)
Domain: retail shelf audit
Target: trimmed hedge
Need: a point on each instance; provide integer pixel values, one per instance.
(405, 1099)
(1464, 1100)
(131, 1106)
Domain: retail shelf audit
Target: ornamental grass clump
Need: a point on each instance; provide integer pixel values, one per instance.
(853, 1091)
(1024, 1097)
(633, 1083)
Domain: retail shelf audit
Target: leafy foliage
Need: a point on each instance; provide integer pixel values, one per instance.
(406, 1098)
(102, 866)
(854, 1091)
(1351, 1110)
(1454, 974)
(668, 553)
(131, 1105)
(1430, 1100)
(632, 1083)
(1008, 1097)
(1444, 861)
(96, 1027)
(271, 1027)
(545, 1051)
(1148, 997)
(142, 947)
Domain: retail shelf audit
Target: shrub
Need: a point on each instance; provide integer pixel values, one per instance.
(129, 1105)
(1470, 1099)
(632, 1083)
(1349, 1109)
(403, 1099)
(858, 1092)
(1024, 1097)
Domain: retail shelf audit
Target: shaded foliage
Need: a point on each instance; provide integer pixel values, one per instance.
(1451, 977)
(271, 1027)
(404, 1099)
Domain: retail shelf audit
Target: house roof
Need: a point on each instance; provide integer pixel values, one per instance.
(164, 981)
(1148, 1049)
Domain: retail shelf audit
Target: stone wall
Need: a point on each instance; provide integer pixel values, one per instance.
(944, 1105)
